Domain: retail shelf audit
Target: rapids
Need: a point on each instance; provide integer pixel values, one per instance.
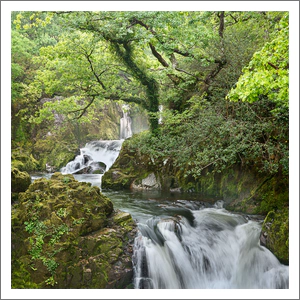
(213, 249)
(184, 244)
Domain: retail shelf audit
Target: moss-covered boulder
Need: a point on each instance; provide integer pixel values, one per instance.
(127, 168)
(275, 234)
(65, 234)
(20, 181)
(23, 160)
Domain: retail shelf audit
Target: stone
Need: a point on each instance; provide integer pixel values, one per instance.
(20, 181)
(275, 234)
(65, 234)
(121, 217)
(148, 183)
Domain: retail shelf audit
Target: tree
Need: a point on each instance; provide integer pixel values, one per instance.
(139, 41)
(187, 61)
(22, 73)
(213, 134)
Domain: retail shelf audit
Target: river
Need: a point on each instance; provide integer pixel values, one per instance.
(185, 242)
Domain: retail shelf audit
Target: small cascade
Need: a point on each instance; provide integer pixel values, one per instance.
(99, 156)
(95, 156)
(214, 250)
(125, 124)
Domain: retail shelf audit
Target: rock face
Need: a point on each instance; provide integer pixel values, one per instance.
(66, 234)
(275, 234)
(23, 160)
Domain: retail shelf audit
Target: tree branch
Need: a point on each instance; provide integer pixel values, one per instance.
(84, 108)
(93, 71)
(158, 56)
(272, 65)
(136, 100)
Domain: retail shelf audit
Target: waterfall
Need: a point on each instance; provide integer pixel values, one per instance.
(96, 155)
(100, 155)
(212, 250)
(125, 123)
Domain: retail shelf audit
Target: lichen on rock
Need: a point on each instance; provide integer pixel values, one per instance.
(65, 235)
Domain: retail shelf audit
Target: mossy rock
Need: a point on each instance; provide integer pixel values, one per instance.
(54, 151)
(64, 235)
(275, 234)
(23, 160)
(20, 181)
(127, 168)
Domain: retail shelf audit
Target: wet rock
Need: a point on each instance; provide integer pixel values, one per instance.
(49, 168)
(148, 183)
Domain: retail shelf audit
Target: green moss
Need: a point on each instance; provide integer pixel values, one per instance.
(20, 181)
(21, 276)
(59, 229)
(23, 160)
(54, 152)
(276, 230)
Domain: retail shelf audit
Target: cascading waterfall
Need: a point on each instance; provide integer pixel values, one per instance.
(105, 152)
(160, 108)
(213, 249)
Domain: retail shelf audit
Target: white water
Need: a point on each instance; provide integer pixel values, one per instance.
(105, 152)
(97, 151)
(209, 248)
(216, 250)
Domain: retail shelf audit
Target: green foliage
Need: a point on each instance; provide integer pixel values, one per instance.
(267, 74)
(62, 212)
(203, 137)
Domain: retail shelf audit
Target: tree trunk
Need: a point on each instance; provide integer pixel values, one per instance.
(148, 82)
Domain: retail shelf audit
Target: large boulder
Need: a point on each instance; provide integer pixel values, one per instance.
(20, 181)
(66, 234)
(148, 183)
(275, 234)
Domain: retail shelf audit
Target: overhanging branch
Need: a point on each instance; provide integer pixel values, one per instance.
(84, 109)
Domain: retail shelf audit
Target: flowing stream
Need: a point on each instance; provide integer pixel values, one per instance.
(95, 152)
(192, 244)
(184, 242)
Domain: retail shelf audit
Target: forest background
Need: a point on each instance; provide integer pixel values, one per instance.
(194, 5)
